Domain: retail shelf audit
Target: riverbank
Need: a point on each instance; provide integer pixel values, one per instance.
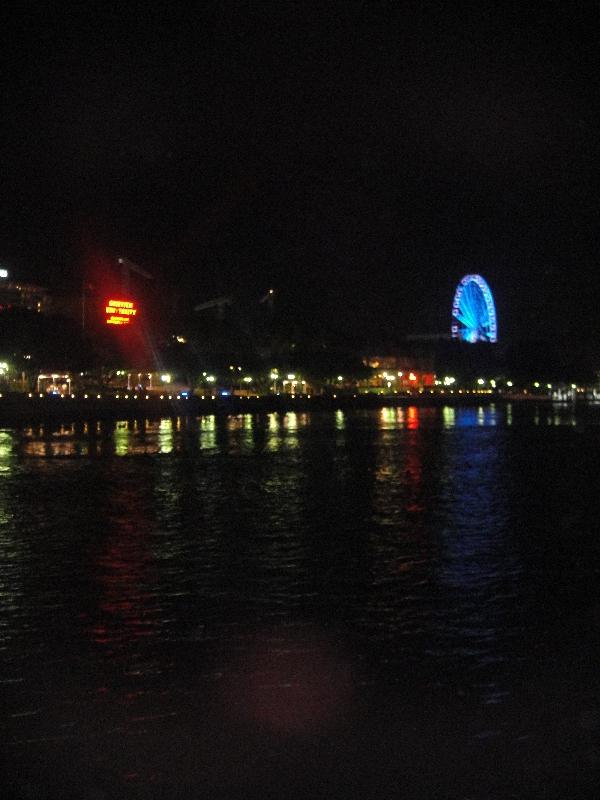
(16, 407)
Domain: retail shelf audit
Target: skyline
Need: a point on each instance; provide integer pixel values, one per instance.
(359, 158)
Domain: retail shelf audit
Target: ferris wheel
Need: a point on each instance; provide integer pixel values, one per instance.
(473, 311)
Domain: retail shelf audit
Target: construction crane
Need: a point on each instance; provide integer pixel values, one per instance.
(127, 267)
(218, 302)
(268, 298)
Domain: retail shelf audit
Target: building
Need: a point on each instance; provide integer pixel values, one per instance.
(19, 295)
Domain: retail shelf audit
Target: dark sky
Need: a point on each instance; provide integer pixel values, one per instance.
(361, 157)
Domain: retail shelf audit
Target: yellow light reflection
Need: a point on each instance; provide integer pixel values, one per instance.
(6, 451)
(165, 436)
(208, 432)
(291, 421)
(121, 438)
(449, 416)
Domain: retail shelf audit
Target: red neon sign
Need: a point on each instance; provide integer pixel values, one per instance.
(120, 312)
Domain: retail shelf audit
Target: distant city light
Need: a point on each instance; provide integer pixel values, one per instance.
(274, 375)
(536, 384)
(509, 383)
(412, 376)
(210, 378)
(166, 378)
(247, 379)
(291, 377)
(481, 381)
(3, 273)
(340, 378)
(448, 381)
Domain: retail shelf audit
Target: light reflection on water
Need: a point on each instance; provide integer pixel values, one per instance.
(168, 435)
(170, 578)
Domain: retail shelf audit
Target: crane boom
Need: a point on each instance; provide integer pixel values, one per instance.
(127, 267)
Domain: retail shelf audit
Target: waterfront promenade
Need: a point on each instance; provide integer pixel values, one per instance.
(23, 407)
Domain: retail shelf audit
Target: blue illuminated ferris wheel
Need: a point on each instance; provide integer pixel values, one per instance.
(473, 311)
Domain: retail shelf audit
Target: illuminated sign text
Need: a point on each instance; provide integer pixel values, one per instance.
(119, 312)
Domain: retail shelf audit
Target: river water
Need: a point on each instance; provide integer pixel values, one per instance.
(378, 604)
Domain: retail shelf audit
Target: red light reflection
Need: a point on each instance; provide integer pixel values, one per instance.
(412, 418)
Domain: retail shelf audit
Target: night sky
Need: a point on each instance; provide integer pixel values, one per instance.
(360, 157)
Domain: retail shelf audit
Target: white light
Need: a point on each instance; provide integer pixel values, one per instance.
(536, 384)
(340, 378)
(448, 381)
(548, 386)
(210, 378)
(480, 381)
(274, 375)
(509, 383)
(166, 378)
(493, 384)
(3, 273)
(291, 377)
(573, 386)
(247, 379)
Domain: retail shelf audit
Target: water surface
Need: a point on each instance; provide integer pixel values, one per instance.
(402, 602)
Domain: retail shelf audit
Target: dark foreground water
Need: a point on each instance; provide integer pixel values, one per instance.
(392, 604)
